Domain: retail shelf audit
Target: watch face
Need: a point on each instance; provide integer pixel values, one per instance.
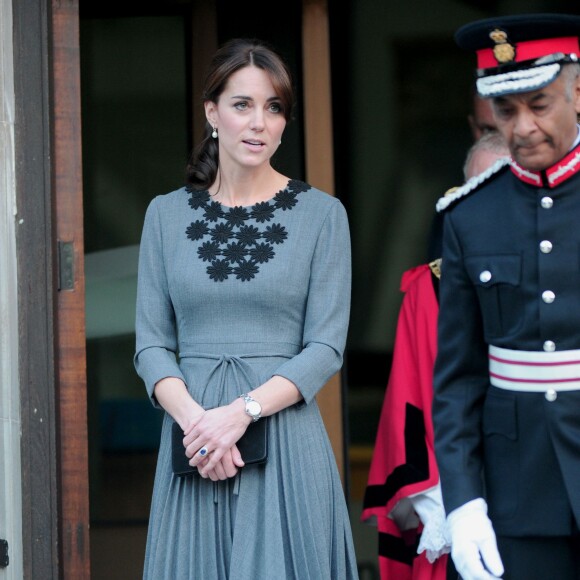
(253, 408)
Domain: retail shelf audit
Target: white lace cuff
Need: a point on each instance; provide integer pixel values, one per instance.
(435, 537)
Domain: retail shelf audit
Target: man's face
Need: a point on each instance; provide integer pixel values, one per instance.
(482, 120)
(540, 126)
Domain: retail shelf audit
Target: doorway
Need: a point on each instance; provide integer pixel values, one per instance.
(134, 79)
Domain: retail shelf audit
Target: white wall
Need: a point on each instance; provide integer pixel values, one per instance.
(10, 427)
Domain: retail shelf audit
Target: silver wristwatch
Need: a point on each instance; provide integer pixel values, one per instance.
(253, 408)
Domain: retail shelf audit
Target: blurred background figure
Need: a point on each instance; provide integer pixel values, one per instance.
(481, 119)
(484, 153)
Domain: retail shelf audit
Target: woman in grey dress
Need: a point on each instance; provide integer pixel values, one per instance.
(242, 313)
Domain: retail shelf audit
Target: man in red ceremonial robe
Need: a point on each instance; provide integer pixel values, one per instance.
(403, 464)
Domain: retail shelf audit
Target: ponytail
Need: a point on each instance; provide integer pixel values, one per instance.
(202, 168)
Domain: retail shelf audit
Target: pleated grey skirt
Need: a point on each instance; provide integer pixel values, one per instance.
(283, 520)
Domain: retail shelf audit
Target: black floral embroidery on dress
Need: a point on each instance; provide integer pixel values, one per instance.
(275, 234)
(213, 212)
(198, 198)
(262, 253)
(262, 212)
(219, 270)
(236, 216)
(221, 233)
(248, 235)
(234, 252)
(285, 199)
(209, 251)
(246, 271)
(197, 230)
(234, 246)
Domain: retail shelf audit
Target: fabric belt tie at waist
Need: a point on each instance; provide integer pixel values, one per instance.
(243, 373)
(534, 371)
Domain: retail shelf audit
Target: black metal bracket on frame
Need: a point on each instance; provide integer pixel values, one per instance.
(3, 553)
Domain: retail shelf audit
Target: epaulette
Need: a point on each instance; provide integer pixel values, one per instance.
(470, 185)
(435, 267)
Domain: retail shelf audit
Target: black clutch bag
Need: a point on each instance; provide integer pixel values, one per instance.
(253, 446)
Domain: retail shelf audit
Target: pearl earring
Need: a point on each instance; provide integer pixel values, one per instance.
(214, 133)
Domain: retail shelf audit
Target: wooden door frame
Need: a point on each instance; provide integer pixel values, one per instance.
(51, 320)
(319, 157)
(71, 365)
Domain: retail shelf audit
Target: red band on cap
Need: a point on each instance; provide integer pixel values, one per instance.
(531, 49)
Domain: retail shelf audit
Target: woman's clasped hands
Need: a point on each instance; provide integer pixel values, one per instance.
(210, 440)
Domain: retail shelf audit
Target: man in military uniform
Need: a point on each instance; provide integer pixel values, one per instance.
(506, 408)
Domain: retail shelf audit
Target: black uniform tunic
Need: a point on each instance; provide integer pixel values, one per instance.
(510, 278)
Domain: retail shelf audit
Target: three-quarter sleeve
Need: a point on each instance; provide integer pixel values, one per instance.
(327, 309)
(155, 327)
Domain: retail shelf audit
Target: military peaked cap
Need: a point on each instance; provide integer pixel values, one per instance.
(520, 53)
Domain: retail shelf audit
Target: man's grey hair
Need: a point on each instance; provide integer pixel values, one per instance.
(491, 141)
(570, 73)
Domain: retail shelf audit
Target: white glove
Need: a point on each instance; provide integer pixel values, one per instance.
(434, 537)
(473, 544)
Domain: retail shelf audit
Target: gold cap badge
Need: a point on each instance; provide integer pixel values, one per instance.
(503, 50)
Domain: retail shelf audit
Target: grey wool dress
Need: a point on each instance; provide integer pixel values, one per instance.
(227, 298)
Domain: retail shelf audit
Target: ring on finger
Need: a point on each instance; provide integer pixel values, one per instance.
(203, 451)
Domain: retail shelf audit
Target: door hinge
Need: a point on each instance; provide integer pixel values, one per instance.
(3, 553)
(66, 260)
